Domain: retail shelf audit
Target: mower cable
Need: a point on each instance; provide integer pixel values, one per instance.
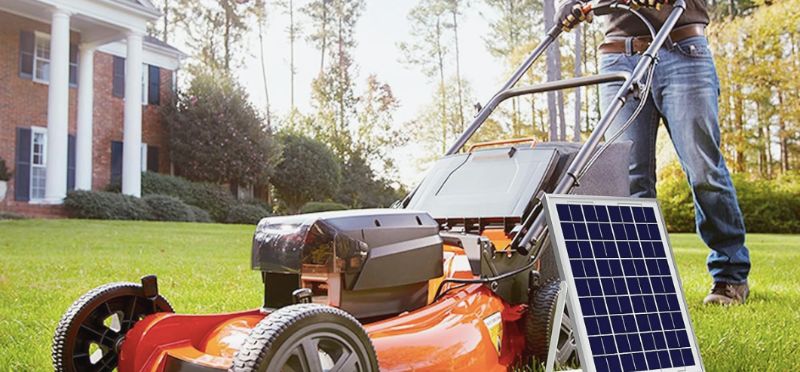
(492, 279)
(642, 100)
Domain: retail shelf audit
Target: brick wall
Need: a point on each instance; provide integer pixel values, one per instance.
(23, 103)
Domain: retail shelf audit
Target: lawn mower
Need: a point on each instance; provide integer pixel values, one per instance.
(458, 275)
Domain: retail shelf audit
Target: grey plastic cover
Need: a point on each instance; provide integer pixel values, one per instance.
(488, 183)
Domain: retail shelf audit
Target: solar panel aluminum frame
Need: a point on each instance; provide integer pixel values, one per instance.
(565, 273)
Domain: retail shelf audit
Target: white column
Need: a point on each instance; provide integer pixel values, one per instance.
(58, 109)
(132, 130)
(83, 141)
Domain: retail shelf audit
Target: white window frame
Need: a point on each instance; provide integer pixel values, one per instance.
(40, 36)
(43, 131)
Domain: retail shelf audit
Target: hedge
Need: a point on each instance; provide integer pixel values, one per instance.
(248, 214)
(768, 206)
(168, 208)
(105, 206)
(212, 198)
(314, 207)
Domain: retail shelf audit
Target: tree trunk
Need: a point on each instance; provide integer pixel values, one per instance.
(784, 141)
(165, 35)
(324, 36)
(551, 66)
(264, 71)
(291, 55)
(227, 38)
(576, 134)
(443, 95)
(458, 70)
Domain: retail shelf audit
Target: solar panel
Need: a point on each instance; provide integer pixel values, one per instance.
(623, 288)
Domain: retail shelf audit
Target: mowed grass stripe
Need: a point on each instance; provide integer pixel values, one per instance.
(205, 268)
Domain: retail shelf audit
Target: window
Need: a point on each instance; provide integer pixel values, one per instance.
(35, 58)
(41, 60)
(118, 83)
(144, 83)
(38, 163)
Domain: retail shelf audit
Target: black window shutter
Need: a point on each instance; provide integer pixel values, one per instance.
(118, 84)
(116, 162)
(70, 162)
(26, 46)
(73, 65)
(152, 159)
(22, 171)
(153, 85)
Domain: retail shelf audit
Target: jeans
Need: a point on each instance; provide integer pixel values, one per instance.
(684, 95)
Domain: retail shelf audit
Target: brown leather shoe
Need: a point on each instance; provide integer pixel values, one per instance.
(727, 294)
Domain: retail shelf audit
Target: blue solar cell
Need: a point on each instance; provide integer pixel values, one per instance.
(632, 283)
(608, 287)
(688, 359)
(568, 231)
(635, 342)
(602, 213)
(596, 343)
(655, 234)
(647, 249)
(649, 215)
(644, 286)
(644, 233)
(601, 364)
(591, 326)
(586, 306)
(606, 232)
(642, 322)
(663, 267)
(619, 231)
(604, 323)
(613, 308)
(641, 268)
(638, 214)
(608, 344)
(589, 213)
(630, 322)
(577, 269)
(582, 286)
(658, 286)
(676, 357)
(616, 267)
(599, 306)
(563, 212)
(625, 306)
(603, 269)
(614, 363)
(672, 339)
(573, 250)
(595, 288)
(661, 342)
(627, 362)
(649, 303)
(625, 211)
(683, 338)
(677, 320)
(623, 249)
(663, 358)
(590, 269)
(647, 340)
(636, 249)
(580, 231)
(638, 304)
(594, 231)
(599, 249)
(586, 249)
(575, 212)
(611, 249)
(652, 267)
(630, 231)
(655, 322)
(614, 214)
(658, 248)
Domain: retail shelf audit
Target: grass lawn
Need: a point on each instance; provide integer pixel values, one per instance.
(202, 268)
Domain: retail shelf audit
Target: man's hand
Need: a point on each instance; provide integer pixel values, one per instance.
(648, 3)
(570, 14)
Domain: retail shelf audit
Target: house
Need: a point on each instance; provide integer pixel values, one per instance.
(81, 86)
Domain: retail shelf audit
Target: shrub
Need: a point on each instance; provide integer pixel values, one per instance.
(309, 170)
(5, 175)
(105, 206)
(199, 214)
(314, 207)
(246, 214)
(768, 206)
(213, 199)
(168, 208)
(11, 216)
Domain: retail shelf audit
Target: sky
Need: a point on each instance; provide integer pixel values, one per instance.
(381, 27)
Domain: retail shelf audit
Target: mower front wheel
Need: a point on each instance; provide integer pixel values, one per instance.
(307, 337)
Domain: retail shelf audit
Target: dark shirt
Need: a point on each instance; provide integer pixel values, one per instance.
(623, 23)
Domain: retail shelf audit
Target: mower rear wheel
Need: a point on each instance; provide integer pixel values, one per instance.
(539, 325)
(307, 337)
(91, 331)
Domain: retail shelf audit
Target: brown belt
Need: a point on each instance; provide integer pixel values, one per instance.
(640, 43)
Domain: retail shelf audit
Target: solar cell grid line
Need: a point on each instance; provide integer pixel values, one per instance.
(614, 255)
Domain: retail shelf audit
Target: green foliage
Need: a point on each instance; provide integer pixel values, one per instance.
(5, 175)
(168, 208)
(216, 134)
(309, 171)
(767, 205)
(104, 205)
(360, 187)
(199, 214)
(314, 207)
(11, 216)
(212, 198)
(248, 214)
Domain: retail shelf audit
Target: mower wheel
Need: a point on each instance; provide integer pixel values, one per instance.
(91, 331)
(307, 337)
(539, 327)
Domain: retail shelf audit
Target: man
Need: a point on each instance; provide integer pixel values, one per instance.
(684, 96)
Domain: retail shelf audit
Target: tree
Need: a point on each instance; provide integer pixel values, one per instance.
(376, 134)
(293, 32)
(216, 135)
(427, 50)
(309, 171)
(362, 188)
(555, 100)
(215, 30)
